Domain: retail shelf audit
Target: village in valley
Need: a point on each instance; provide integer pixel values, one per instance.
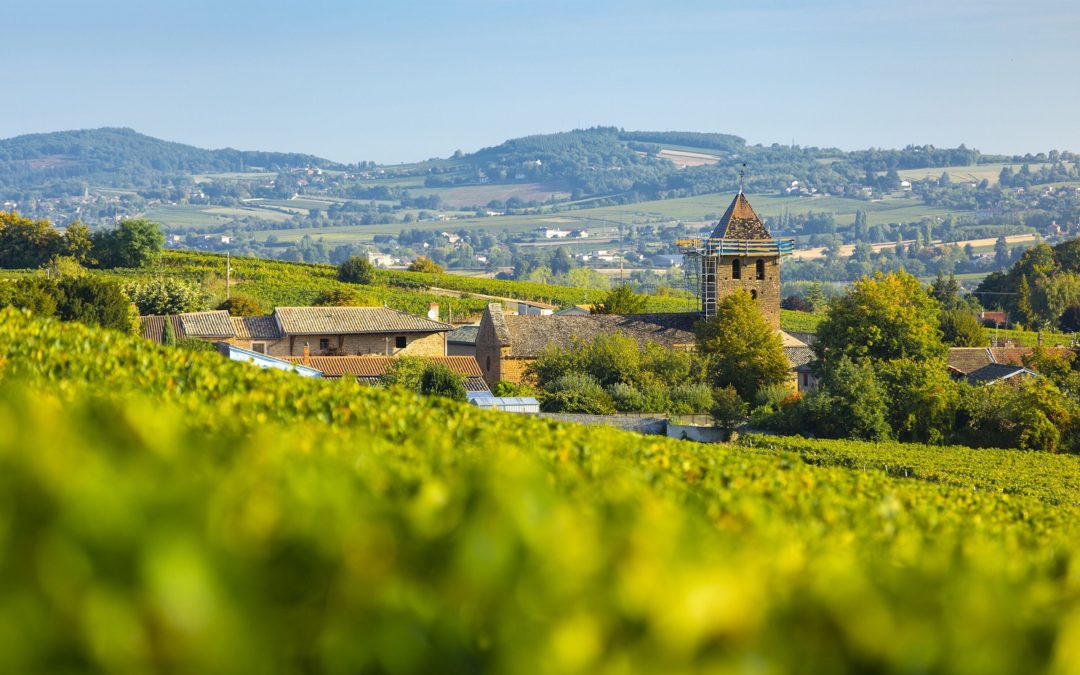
(499, 351)
(540, 338)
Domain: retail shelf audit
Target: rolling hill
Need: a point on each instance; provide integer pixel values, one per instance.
(119, 157)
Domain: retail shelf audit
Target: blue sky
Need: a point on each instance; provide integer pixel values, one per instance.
(400, 81)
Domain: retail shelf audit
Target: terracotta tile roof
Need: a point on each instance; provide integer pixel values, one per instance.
(368, 369)
(215, 324)
(969, 359)
(256, 327)
(376, 366)
(352, 320)
(740, 221)
(153, 327)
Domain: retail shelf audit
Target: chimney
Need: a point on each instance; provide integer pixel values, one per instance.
(433, 311)
(307, 354)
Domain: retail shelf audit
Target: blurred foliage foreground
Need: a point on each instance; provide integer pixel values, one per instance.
(167, 511)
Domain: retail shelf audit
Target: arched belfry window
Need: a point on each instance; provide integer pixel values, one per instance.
(761, 270)
(736, 269)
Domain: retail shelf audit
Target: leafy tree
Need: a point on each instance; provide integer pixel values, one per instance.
(357, 270)
(34, 294)
(561, 262)
(796, 303)
(406, 372)
(77, 242)
(1070, 319)
(728, 409)
(95, 302)
(1024, 313)
(1054, 294)
(65, 266)
(743, 349)
(439, 380)
(883, 317)
(1001, 251)
(961, 328)
(132, 243)
(922, 399)
(168, 334)
(425, 264)
(166, 295)
(850, 403)
(1025, 413)
(620, 300)
(27, 243)
(242, 305)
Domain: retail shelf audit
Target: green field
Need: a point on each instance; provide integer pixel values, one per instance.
(691, 209)
(958, 174)
(171, 511)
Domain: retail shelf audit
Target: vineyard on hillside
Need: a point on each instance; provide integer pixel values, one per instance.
(162, 510)
(279, 283)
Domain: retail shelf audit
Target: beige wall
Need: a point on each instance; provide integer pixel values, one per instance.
(768, 289)
(419, 344)
(488, 353)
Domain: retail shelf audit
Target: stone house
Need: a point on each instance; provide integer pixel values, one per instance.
(323, 330)
(506, 344)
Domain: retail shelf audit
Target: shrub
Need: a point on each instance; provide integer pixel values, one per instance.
(507, 388)
(690, 398)
(728, 409)
(425, 264)
(166, 295)
(620, 300)
(577, 393)
(342, 297)
(626, 397)
(242, 305)
(196, 345)
(406, 372)
(438, 380)
(961, 328)
(132, 243)
(773, 395)
(357, 270)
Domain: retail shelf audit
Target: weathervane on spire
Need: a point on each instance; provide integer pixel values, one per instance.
(742, 175)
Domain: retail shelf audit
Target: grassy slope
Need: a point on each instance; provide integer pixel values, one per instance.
(208, 517)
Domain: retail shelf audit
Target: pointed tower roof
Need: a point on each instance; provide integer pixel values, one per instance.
(740, 222)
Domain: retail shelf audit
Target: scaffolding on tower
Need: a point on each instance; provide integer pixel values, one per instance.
(703, 257)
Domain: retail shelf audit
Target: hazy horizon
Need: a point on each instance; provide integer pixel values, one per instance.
(396, 83)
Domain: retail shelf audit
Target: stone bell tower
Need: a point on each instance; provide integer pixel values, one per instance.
(740, 254)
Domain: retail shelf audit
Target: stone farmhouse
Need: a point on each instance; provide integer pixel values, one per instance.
(739, 254)
(321, 330)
